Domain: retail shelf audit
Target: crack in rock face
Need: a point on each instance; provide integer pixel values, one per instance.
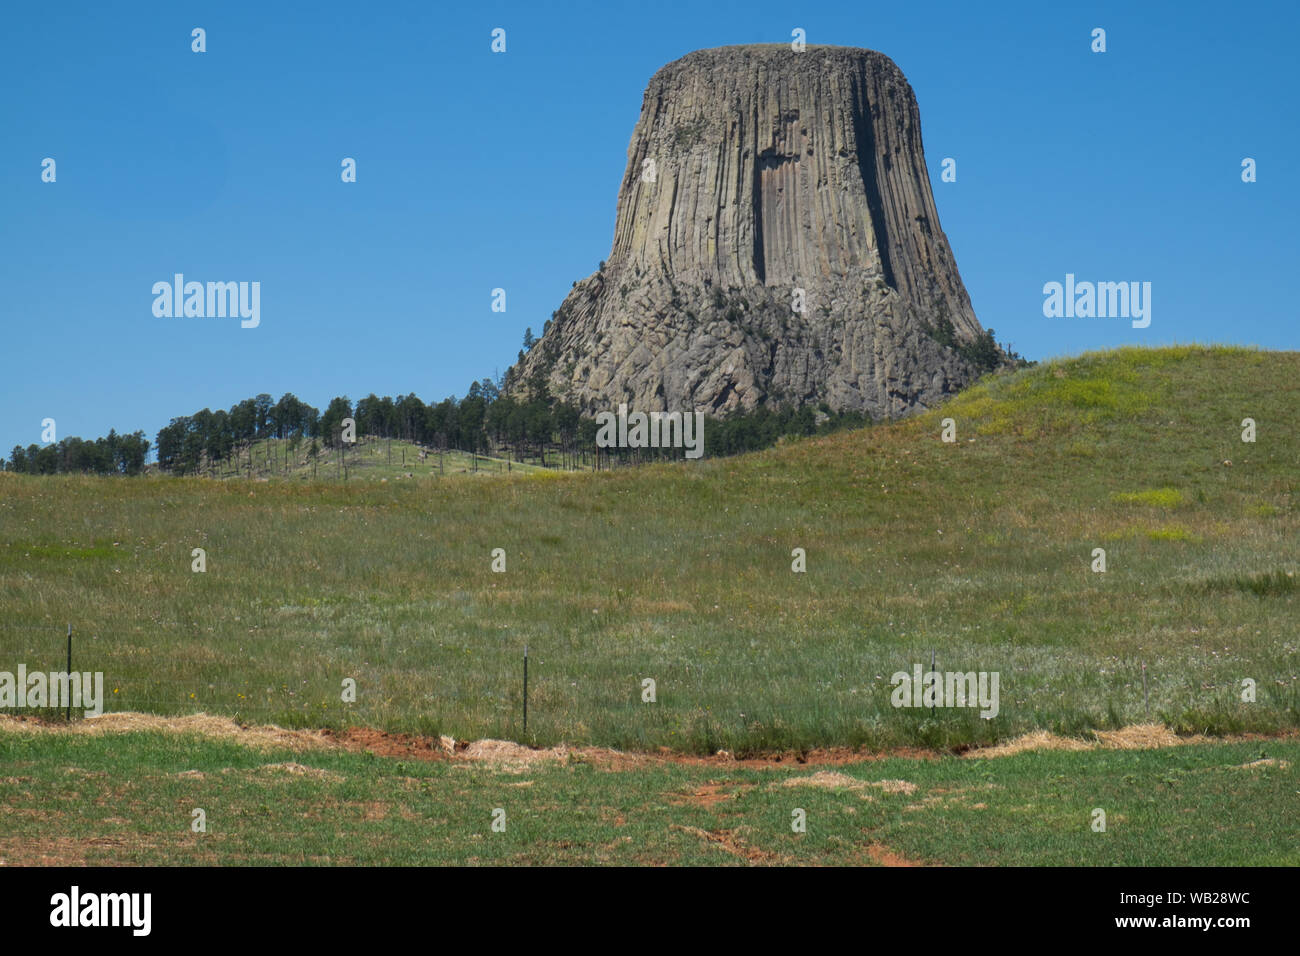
(776, 243)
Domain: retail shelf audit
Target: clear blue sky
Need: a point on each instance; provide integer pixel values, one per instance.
(478, 170)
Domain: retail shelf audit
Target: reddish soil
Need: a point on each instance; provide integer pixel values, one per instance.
(709, 794)
(384, 744)
(887, 857)
(727, 840)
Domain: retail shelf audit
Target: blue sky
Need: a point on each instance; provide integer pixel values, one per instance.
(479, 170)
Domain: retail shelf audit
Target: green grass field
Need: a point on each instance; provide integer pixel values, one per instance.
(129, 798)
(979, 551)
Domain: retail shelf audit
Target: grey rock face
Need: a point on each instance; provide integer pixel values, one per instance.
(753, 172)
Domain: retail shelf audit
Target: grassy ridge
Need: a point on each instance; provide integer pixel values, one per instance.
(129, 798)
(979, 549)
(369, 459)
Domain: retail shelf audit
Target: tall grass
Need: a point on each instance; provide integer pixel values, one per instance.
(979, 551)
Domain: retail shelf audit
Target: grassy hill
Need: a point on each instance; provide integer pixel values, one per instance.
(978, 551)
(369, 459)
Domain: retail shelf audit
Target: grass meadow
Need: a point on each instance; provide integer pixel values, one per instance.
(979, 551)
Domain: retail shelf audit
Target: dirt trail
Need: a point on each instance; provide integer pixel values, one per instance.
(512, 756)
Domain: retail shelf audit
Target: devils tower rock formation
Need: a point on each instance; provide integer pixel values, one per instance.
(755, 172)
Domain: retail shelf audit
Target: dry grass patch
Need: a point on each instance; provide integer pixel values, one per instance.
(834, 780)
(204, 725)
(299, 770)
(512, 757)
(1264, 762)
(1143, 737)
(1134, 737)
(826, 779)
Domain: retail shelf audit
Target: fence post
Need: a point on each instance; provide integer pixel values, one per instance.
(932, 671)
(1146, 700)
(67, 715)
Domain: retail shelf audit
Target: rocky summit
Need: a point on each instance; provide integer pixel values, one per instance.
(776, 242)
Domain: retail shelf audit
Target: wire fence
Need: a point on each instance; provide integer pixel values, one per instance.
(135, 677)
(307, 685)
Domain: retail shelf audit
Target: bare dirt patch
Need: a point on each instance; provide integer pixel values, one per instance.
(1264, 762)
(729, 841)
(374, 810)
(511, 756)
(383, 744)
(54, 851)
(710, 794)
(613, 816)
(790, 759)
(884, 856)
